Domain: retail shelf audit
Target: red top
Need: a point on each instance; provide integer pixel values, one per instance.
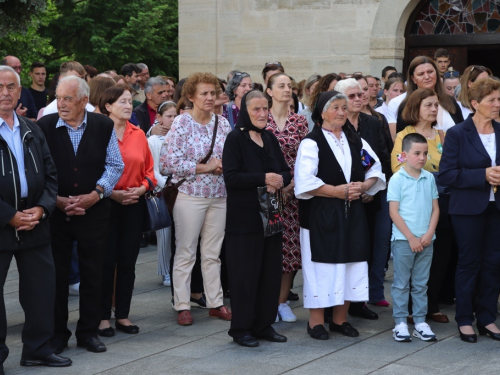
(137, 159)
(152, 114)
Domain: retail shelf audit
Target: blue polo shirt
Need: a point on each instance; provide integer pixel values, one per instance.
(415, 201)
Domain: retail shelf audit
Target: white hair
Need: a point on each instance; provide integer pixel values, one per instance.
(142, 66)
(345, 84)
(153, 81)
(83, 87)
(6, 68)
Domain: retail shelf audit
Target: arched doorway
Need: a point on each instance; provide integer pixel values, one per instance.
(469, 29)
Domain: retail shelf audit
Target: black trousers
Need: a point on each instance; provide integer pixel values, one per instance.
(91, 233)
(124, 240)
(478, 268)
(36, 295)
(254, 269)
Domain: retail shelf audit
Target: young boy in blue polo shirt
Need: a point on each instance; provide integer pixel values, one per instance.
(413, 205)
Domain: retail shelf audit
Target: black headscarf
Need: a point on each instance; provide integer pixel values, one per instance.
(244, 123)
(323, 98)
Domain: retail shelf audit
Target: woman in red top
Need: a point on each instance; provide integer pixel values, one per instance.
(127, 211)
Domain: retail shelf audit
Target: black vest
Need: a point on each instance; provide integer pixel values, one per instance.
(78, 174)
(335, 238)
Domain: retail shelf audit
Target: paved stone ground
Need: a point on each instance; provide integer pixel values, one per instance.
(163, 347)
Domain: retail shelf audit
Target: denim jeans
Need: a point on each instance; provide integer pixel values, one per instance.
(415, 267)
(381, 247)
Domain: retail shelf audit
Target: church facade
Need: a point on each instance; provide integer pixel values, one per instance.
(323, 36)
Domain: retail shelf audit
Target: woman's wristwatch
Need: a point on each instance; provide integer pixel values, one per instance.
(99, 193)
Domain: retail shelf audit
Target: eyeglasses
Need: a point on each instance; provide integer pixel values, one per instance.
(277, 63)
(353, 96)
(453, 73)
(11, 87)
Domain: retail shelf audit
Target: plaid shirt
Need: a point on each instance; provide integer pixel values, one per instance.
(114, 165)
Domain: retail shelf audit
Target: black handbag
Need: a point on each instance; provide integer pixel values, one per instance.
(157, 216)
(271, 211)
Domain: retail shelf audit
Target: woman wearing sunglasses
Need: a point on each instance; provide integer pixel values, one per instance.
(471, 75)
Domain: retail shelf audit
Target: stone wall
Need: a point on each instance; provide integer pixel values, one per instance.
(306, 36)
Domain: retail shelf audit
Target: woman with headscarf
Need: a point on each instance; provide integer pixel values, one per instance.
(334, 168)
(252, 158)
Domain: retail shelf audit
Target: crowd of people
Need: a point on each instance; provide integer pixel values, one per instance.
(357, 167)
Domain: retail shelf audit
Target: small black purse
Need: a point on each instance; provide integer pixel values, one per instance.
(157, 216)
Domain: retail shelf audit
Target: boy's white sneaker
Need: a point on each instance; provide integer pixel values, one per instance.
(400, 333)
(424, 332)
(285, 313)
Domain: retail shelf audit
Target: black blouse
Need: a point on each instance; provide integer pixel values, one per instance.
(245, 165)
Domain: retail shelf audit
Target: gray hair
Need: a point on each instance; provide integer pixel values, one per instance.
(148, 87)
(339, 96)
(254, 94)
(83, 87)
(142, 66)
(6, 68)
(345, 84)
(234, 82)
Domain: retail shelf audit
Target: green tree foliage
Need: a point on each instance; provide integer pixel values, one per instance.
(109, 33)
(15, 15)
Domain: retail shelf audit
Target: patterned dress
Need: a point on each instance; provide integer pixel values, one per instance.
(293, 133)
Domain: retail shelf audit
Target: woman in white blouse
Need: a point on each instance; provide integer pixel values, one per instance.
(334, 168)
(200, 208)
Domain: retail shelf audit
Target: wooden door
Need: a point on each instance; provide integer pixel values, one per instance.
(458, 55)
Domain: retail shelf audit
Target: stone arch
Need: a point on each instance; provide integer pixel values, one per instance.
(387, 43)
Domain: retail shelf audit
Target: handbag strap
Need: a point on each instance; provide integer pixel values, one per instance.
(151, 186)
(205, 159)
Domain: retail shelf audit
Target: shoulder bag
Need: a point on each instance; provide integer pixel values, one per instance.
(157, 216)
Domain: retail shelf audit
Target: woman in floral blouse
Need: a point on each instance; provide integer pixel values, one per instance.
(290, 129)
(200, 208)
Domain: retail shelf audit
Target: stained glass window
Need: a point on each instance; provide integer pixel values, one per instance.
(458, 17)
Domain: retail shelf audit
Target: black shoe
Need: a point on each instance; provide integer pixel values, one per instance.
(132, 330)
(52, 360)
(318, 332)
(345, 328)
(1, 369)
(274, 337)
(106, 332)
(58, 345)
(467, 338)
(200, 302)
(247, 340)
(485, 331)
(293, 296)
(364, 313)
(93, 344)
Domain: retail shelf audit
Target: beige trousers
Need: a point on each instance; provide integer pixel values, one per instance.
(194, 218)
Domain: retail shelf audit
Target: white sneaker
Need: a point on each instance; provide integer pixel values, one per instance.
(74, 289)
(167, 281)
(400, 333)
(277, 318)
(423, 332)
(285, 312)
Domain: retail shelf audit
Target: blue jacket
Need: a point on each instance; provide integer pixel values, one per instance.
(463, 169)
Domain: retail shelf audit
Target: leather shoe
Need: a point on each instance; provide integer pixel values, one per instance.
(274, 337)
(364, 313)
(247, 340)
(132, 329)
(438, 318)
(106, 332)
(184, 318)
(471, 339)
(293, 296)
(92, 344)
(220, 312)
(345, 328)
(58, 345)
(485, 331)
(52, 360)
(318, 332)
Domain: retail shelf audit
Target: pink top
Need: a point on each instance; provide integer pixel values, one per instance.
(187, 143)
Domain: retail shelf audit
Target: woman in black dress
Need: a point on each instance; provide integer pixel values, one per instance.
(252, 158)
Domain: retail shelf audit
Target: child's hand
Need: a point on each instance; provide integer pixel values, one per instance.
(416, 245)
(426, 239)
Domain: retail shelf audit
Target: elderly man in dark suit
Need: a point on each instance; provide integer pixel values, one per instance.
(89, 164)
(28, 189)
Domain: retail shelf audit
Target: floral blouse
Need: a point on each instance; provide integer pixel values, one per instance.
(187, 143)
(433, 157)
